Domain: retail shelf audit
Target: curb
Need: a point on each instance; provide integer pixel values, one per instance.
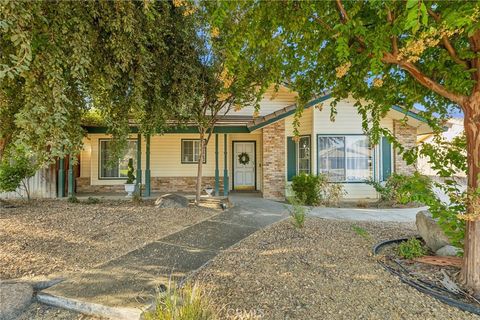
(89, 308)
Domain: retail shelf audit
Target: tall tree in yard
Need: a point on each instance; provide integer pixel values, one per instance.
(58, 59)
(382, 53)
(228, 78)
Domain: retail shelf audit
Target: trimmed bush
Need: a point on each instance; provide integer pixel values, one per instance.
(313, 190)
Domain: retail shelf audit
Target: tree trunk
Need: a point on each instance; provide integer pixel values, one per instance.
(471, 263)
(200, 167)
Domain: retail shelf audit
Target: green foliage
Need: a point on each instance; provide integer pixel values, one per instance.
(130, 61)
(92, 200)
(130, 175)
(16, 172)
(187, 303)
(316, 189)
(403, 189)
(298, 212)
(361, 232)
(412, 248)
(73, 199)
(307, 187)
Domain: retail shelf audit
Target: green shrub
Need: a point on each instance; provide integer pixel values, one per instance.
(130, 175)
(187, 303)
(73, 199)
(298, 212)
(412, 248)
(306, 188)
(16, 173)
(403, 189)
(92, 200)
(314, 190)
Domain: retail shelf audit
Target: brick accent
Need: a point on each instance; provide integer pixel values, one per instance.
(158, 184)
(274, 161)
(181, 184)
(407, 137)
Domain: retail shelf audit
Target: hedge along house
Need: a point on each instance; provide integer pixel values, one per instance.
(256, 154)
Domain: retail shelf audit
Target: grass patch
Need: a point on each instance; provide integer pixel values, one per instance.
(187, 303)
(361, 232)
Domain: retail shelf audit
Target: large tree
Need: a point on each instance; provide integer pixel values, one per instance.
(133, 61)
(228, 78)
(385, 53)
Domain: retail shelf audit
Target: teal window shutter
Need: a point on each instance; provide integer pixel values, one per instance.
(291, 158)
(386, 159)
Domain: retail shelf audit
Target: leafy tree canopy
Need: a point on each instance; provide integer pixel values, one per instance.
(384, 52)
(131, 61)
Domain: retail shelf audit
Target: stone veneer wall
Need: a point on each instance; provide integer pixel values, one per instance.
(407, 137)
(158, 184)
(274, 161)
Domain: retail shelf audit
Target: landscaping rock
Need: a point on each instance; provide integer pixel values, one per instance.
(14, 299)
(448, 251)
(172, 201)
(430, 231)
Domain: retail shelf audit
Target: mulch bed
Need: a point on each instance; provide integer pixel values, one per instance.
(53, 236)
(430, 270)
(323, 271)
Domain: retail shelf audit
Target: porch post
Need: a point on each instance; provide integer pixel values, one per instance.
(217, 173)
(139, 164)
(71, 192)
(147, 166)
(225, 166)
(61, 178)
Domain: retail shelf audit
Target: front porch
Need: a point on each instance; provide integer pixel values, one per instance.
(167, 164)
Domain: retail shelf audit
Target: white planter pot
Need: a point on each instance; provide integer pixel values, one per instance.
(130, 189)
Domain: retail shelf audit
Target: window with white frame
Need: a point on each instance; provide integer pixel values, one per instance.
(345, 158)
(303, 155)
(191, 151)
(116, 168)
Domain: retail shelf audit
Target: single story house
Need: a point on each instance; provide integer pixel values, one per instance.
(256, 153)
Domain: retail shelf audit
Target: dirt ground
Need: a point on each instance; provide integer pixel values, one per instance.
(323, 271)
(53, 236)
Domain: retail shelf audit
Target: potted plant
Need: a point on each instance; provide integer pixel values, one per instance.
(130, 183)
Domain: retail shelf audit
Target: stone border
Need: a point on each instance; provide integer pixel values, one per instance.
(422, 287)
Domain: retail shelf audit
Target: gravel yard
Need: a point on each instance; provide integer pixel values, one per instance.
(324, 271)
(52, 236)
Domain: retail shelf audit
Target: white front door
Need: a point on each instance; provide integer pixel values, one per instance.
(244, 165)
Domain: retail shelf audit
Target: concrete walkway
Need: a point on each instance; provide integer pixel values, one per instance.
(367, 214)
(124, 287)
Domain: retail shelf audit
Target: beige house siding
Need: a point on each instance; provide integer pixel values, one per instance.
(165, 157)
(271, 102)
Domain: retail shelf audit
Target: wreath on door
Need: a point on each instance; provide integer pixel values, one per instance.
(243, 158)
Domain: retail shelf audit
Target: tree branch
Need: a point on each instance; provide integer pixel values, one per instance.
(446, 42)
(393, 39)
(343, 13)
(425, 80)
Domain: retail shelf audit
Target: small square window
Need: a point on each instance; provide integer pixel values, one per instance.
(191, 151)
